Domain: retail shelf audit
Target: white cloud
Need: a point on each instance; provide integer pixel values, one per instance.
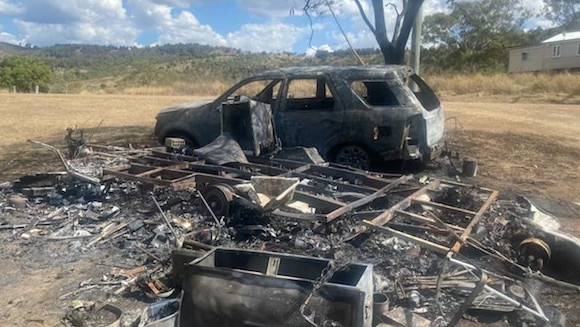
(351, 20)
(359, 39)
(172, 24)
(185, 28)
(8, 8)
(272, 8)
(176, 3)
(349, 8)
(535, 6)
(123, 21)
(149, 14)
(9, 38)
(89, 33)
(540, 22)
(275, 37)
(46, 22)
(310, 52)
(537, 9)
(71, 11)
(434, 6)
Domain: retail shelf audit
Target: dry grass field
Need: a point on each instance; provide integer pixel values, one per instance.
(523, 148)
(526, 87)
(527, 148)
(105, 118)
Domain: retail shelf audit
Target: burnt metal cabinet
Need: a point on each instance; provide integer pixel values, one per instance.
(233, 287)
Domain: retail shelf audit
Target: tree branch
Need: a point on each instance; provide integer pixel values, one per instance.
(360, 60)
(410, 14)
(400, 15)
(364, 16)
(385, 44)
(306, 9)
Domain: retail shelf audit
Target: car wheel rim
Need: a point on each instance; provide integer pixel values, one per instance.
(353, 156)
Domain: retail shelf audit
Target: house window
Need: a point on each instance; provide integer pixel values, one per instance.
(556, 51)
(525, 56)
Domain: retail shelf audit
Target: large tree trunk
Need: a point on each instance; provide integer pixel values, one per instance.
(380, 31)
(394, 52)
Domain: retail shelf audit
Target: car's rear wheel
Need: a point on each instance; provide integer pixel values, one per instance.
(354, 156)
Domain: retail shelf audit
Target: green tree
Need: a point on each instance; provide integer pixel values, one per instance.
(475, 35)
(24, 73)
(564, 12)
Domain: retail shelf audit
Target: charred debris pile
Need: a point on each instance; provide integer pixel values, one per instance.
(207, 240)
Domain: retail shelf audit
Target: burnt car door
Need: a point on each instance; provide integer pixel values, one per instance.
(205, 124)
(309, 114)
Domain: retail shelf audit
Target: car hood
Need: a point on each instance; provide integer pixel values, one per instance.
(185, 106)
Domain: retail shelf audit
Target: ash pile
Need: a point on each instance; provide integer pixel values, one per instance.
(218, 238)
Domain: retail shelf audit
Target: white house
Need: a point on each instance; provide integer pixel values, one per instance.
(556, 53)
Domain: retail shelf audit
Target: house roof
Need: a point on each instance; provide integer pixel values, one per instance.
(566, 36)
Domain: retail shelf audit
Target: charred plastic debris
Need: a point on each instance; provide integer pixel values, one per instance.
(243, 233)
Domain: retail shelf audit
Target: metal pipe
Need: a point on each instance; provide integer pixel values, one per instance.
(209, 209)
(490, 289)
(167, 222)
(514, 302)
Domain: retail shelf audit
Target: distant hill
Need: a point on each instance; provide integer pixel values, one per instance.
(85, 67)
(9, 49)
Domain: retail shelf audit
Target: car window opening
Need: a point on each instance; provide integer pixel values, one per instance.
(423, 93)
(309, 94)
(375, 93)
(259, 90)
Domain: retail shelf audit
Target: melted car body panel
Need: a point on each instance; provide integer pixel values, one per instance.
(384, 110)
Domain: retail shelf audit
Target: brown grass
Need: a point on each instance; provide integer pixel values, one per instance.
(198, 88)
(529, 148)
(45, 117)
(556, 88)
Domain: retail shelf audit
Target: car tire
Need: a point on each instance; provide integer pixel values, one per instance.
(354, 156)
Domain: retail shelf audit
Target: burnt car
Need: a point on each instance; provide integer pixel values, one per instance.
(356, 116)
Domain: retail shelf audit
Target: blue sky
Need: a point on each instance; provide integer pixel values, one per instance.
(253, 25)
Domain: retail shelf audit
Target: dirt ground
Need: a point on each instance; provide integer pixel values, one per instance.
(530, 149)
